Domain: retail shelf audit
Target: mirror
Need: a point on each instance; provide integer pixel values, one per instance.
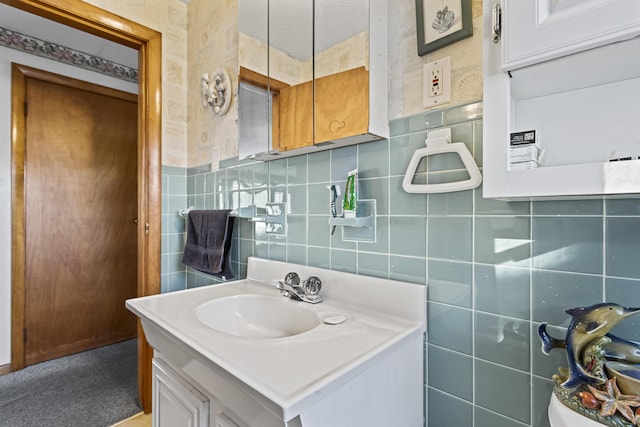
(254, 96)
(341, 41)
(291, 64)
(341, 69)
(291, 78)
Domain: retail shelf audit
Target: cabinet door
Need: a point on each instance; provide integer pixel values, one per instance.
(341, 63)
(223, 421)
(290, 64)
(176, 403)
(342, 105)
(538, 30)
(296, 116)
(254, 95)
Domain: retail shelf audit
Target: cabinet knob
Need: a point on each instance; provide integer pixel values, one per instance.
(496, 22)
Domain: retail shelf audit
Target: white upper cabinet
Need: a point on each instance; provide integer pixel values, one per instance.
(569, 70)
(539, 30)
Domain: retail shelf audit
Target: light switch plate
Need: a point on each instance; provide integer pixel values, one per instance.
(436, 82)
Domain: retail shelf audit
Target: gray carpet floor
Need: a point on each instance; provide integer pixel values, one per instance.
(94, 388)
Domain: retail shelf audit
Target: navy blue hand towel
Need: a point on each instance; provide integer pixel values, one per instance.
(209, 242)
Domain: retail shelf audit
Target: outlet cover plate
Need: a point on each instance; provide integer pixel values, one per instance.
(445, 82)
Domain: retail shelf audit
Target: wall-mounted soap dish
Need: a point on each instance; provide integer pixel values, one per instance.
(362, 228)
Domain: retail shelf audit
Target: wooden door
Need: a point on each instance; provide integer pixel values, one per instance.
(538, 30)
(81, 207)
(89, 18)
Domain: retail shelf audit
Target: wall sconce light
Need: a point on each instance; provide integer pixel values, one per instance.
(216, 91)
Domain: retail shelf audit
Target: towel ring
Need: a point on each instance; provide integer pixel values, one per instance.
(438, 142)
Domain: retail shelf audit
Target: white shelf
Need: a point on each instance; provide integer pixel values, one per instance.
(357, 222)
(362, 228)
(583, 107)
(574, 180)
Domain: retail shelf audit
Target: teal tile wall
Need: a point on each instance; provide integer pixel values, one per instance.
(495, 268)
(174, 198)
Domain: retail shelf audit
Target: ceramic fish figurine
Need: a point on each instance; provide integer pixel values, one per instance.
(622, 350)
(587, 324)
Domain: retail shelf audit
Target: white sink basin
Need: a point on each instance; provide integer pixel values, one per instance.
(257, 316)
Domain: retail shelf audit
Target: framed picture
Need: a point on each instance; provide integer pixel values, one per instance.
(442, 22)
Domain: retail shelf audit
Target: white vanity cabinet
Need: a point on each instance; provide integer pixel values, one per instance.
(176, 403)
(180, 400)
(568, 70)
(365, 370)
(538, 30)
(187, 393)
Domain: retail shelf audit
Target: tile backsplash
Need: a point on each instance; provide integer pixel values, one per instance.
(495, 269)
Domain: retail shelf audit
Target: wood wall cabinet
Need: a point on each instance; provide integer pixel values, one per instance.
(340, 109)
(342, 105)
(569, 71)
(296, 117)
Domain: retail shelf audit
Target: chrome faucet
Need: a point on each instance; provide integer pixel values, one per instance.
(308, 291)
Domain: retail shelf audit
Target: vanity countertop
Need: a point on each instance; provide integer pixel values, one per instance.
(291, 371)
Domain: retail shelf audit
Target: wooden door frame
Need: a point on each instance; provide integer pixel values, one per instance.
(148, 42)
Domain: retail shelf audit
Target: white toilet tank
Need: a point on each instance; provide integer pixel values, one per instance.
(561, 416)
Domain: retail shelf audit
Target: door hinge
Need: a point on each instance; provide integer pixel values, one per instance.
(26, 108)
(146, 228)
(24, 334)
(496, 23)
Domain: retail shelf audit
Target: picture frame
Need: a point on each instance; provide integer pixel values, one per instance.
(440, 23)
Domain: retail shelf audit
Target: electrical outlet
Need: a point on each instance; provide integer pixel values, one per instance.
(437, 82)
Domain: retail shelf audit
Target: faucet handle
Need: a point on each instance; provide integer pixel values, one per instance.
(292, 279)
(313, 285)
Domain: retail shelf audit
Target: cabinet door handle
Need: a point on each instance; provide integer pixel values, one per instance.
(496, 22)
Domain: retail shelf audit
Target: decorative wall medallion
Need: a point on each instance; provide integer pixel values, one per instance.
(216, 91)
